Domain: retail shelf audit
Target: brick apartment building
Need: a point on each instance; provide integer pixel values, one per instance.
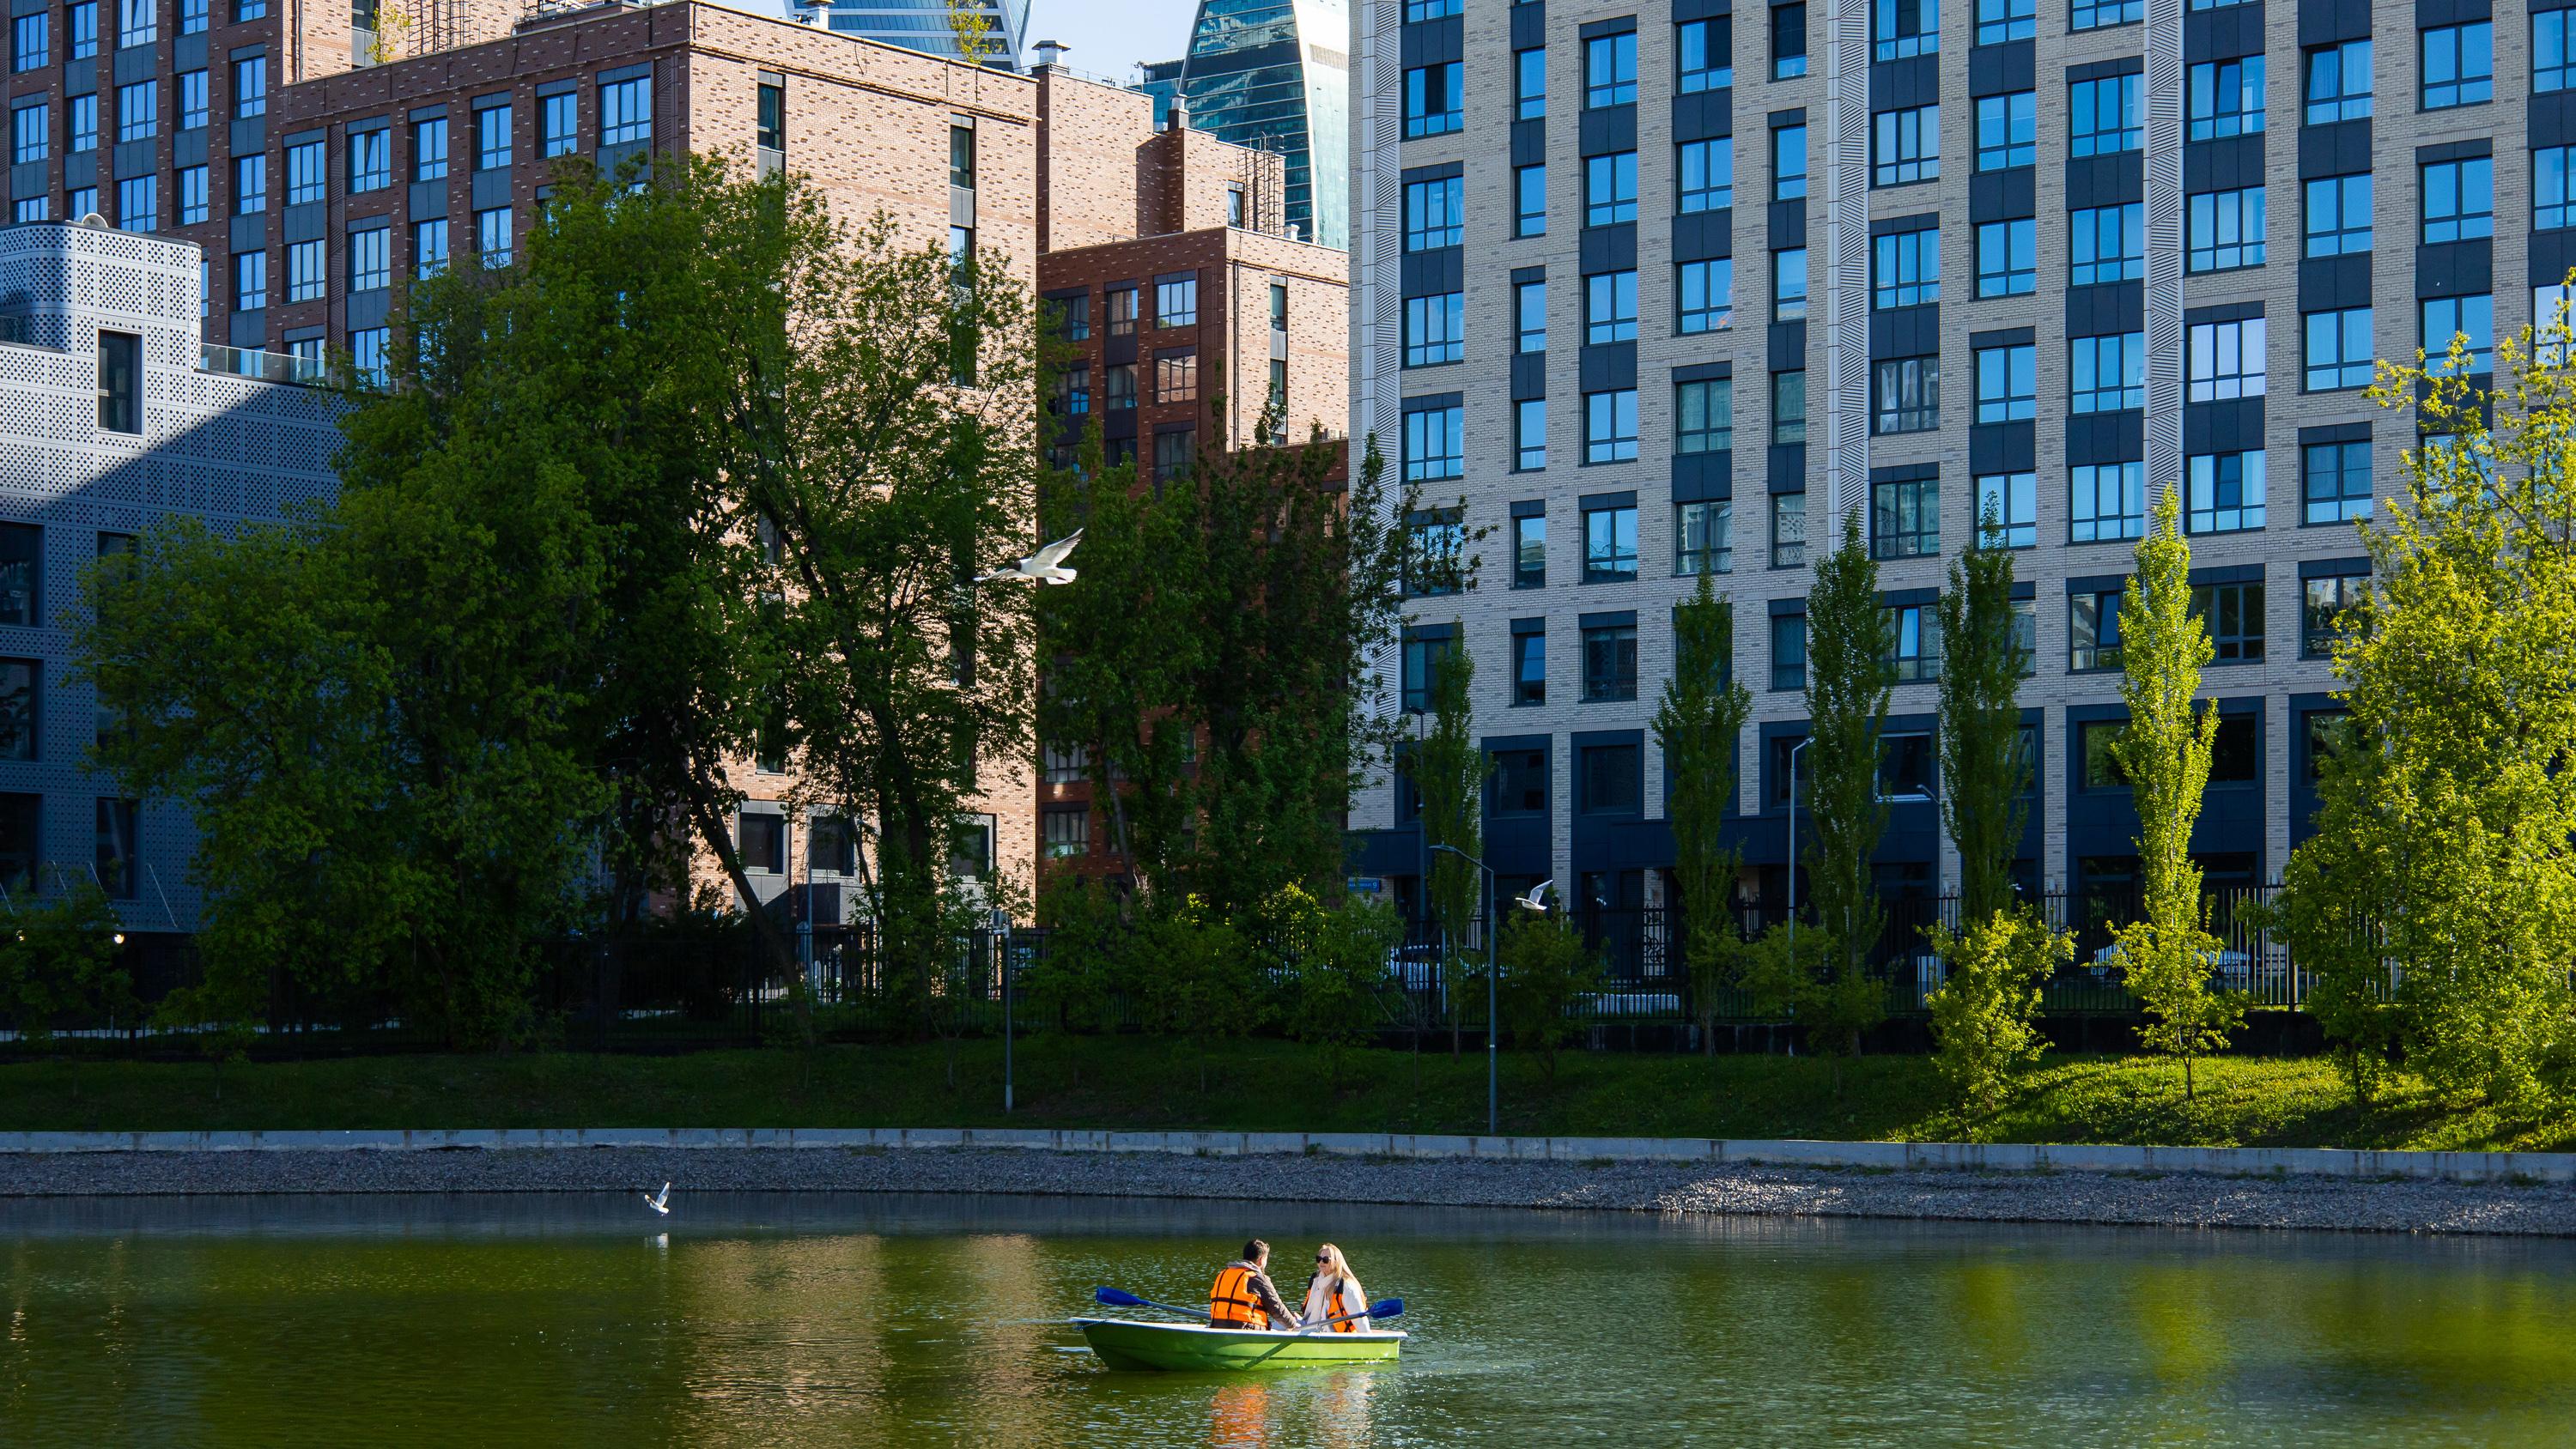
(1166, 253)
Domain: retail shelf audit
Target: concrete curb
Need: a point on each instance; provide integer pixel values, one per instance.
(2558, 1167)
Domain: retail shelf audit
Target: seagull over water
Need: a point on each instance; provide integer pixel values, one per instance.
(1046, 566)
(660, 1204)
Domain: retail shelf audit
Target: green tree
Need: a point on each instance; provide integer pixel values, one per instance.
(1699, 723)
(1448, 769)
(1340, 963)
(1205, 990)
(2436, 902)
(2167, 956)
(1982, 1017)
(1546, 969)
(1985, 774)
(58, 962)
(1849, 680)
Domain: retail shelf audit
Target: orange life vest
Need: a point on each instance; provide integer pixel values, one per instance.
(1333, 1307)
(1232, 1303)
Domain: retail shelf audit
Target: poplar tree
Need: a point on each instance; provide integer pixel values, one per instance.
(1700, 725)
(1448, 770)
(2164, 751)
(1984, 771)
(1849, 680)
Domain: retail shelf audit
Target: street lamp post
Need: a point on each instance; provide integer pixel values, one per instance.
(1493, 970)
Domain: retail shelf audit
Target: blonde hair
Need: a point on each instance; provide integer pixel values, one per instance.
(1335, 1266)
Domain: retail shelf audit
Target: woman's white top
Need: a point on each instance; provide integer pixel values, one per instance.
(1320, 1304)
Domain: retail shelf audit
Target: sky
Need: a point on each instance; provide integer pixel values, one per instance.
(1105, 37)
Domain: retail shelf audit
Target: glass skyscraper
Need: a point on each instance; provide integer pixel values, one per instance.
(1275, 74)
(923, 25)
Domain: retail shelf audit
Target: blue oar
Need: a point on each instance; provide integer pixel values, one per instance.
(1374, 1312)
(1120, 1298)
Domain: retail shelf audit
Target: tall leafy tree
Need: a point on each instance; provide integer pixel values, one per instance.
(1984, 772)
(2168, 954)
(1699, 723)
(1849, 680)
(1448, 769)
(2448, 800)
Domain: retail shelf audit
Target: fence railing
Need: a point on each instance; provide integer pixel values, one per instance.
(726, 988)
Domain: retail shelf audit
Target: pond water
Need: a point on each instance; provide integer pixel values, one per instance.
(755, 1320)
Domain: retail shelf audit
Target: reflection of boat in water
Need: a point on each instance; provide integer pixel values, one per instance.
(1187, 1347)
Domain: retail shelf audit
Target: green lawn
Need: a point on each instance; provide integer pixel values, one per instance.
(1263, 1085)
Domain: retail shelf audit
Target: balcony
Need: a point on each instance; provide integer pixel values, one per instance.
(265, 366)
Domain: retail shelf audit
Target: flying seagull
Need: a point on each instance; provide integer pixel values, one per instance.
(1046, 566)
(660, 1204)
(1536, 900)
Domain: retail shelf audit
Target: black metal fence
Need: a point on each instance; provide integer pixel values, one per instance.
(727, 989)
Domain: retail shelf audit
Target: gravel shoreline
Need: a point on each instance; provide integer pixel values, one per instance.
(2175, 1200)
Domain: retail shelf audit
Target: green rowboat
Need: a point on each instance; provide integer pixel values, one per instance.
(1193, 1348)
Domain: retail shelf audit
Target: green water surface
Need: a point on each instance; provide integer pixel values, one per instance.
(881, 1320)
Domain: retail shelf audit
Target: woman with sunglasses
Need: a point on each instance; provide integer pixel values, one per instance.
(1335, 1291)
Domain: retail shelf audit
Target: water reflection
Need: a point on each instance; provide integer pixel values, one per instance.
(756, 1321)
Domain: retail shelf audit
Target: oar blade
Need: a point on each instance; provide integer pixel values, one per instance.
(1118, 1298)
(1391, 1308)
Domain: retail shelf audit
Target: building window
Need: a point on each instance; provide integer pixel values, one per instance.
(1529, 552)
(370, 259)
(1176, 302)
(2550, 70)
(1073, 317)
(1176, 376)
(1418, 666)
(2110, 244)
(371, 159)
(1788, 41)
(492, 136)
(1789, 285)
(2223, 492)
(250, 87)
(1437, 543)
(2007, 383)
(79, 202)
(1707, 171)
(2109, 372)
(138, 203)
(1173, 448)
(81, 25)
(194, 205)
(194, 107)
(30, 134)
(1073, 392)
(1706, 291)
(2549, 209)
(2338, 83)
(138, 111)
(22, 559)
(429, 149)
(1610, 544)
(1610, 70)
(2224, 98)
(1788, 530)
(1612, 782)
(1529, 201)
(1529, 316)
(2459, 65)
(2225, 230)
(1788, 162)
(1122, 311)
(371, 355)
(304, 180)
(1999, 21)
(2338, 215)
(2459, 199)
(1118, 385)
(2007, 257)
(2471, 321)
(1907, 146)
(2107, 502)
(1909, 395)
(1432, 99)
(2007, 130)
(1906, 270)
(1788, 407)
(1704, 416)
(39, 208)
(120, 382)
(1529, 671)
(250, 184)
(1788, 648)
(626, 111)
(2102, 771)
(1416, 11)
(1529, 434)
(19, 682)
(2093, 632)
(1435, 212)
(1707, 54)
(2334, 482)
(559, 124)
(1905, 27)
(1610, 188)
(2095, 14)
(84, 126)
(2226, 360)
(1610, 426)
(1529, 83)
(1435, 329)
(2233, 614)
(1067, 832)
(1704, 538)
(492, 236)
(1610, 307)
(30, 43)
(304, 271)
(2109, 115)
(2321, 607)
(1435, 444)
(1905, 519)
(1609, 664)
(250, 281)
(1914, 644)
(2007, 511)
(242, 9)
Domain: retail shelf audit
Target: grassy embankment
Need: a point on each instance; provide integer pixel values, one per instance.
(1262, 1085)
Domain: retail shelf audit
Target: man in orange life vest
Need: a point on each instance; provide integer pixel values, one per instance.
(1244, 1297)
